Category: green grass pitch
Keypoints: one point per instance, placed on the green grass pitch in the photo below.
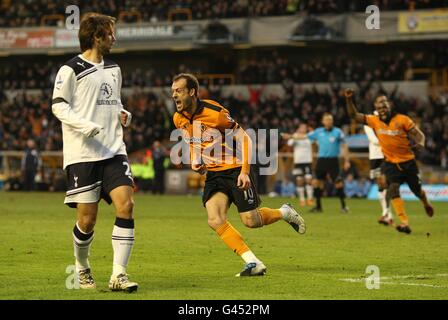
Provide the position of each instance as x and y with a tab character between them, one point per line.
177	256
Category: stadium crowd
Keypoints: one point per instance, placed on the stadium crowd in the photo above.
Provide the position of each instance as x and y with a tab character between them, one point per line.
398	66
30	13
29	116
270	67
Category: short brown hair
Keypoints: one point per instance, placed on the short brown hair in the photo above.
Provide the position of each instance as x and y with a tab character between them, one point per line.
192	81
379	96
94	25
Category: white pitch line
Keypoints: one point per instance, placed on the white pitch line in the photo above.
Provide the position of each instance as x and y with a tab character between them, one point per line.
421	276
414	284
439	275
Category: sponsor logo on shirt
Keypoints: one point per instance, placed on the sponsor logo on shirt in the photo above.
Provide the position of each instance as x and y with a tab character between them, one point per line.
105	94
389	132
198	140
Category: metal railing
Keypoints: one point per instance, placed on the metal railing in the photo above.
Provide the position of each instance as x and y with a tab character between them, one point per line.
10	165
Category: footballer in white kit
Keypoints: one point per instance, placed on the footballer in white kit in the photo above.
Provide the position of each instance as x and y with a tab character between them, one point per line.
303	160
86	99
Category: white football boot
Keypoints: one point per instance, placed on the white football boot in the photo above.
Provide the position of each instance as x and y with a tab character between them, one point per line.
294	218
252	269
85	279
122	283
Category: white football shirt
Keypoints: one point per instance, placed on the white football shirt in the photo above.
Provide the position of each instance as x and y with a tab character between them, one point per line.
374	146
87	93
303	152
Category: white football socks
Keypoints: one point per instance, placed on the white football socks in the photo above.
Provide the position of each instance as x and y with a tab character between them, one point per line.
81	243
122	243
249	257
309	192
383	202
301	192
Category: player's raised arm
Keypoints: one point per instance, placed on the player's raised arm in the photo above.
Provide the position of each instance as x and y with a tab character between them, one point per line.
351	107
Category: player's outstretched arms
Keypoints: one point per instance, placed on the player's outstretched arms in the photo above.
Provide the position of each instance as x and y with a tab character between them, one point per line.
351	107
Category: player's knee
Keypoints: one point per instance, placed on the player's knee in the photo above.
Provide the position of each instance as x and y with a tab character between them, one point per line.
416	189
126	208
251	220
86	223
300	181
215	222
382	184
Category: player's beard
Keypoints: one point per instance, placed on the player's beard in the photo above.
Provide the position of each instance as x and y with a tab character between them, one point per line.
104	49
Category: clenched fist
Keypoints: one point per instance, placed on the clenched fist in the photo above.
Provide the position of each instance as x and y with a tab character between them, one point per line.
348	93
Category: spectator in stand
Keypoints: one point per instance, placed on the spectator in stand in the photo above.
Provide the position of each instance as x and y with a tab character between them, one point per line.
30	13
287	188
351	187
159	154
30	165
364	186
